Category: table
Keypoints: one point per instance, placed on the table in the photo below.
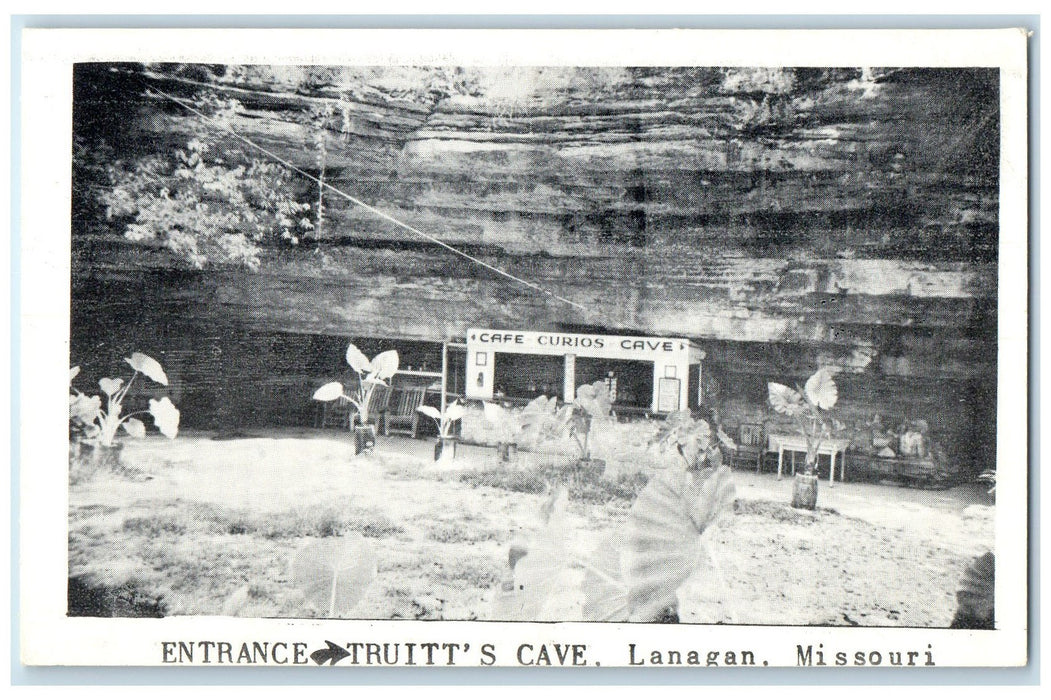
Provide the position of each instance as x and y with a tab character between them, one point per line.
782	442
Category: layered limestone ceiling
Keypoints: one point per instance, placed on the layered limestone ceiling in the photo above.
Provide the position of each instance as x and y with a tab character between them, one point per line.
832	206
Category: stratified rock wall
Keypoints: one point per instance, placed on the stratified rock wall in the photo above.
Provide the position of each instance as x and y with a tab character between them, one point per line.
848	216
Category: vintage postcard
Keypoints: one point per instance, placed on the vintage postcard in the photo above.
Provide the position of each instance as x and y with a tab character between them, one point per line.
515	348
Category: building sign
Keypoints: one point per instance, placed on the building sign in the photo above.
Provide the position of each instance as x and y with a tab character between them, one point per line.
669	358
584	345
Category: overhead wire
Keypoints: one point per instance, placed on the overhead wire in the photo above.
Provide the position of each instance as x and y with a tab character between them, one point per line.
364	205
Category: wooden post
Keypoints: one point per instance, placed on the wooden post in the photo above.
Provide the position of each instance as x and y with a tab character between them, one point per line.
684	391
445	372
700	384
657	373
569	377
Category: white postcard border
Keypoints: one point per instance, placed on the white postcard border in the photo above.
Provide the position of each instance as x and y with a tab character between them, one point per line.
48	637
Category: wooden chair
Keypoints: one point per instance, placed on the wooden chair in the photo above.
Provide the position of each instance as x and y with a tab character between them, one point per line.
378	403
341	413
751	446
401	411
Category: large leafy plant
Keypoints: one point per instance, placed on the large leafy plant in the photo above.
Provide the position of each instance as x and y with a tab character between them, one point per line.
809	405
537	564
635	574
693	439
576	419
209	201
539	420
506	422
100	424
444	420
371	373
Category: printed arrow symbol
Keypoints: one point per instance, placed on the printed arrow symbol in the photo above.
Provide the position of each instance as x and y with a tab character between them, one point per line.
333	654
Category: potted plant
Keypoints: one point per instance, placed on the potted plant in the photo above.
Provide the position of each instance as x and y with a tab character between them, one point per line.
370	375
94	427
445	447
577	419
507	424
539	421
809	407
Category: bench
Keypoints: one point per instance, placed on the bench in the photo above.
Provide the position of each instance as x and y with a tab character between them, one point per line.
915	472
401	411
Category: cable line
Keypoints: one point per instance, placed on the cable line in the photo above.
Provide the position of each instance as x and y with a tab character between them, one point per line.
373	210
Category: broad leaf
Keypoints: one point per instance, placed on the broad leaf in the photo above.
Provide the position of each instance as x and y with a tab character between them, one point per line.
605	593
166	416
541	404
111	386
454	411
703	431
975	598
135	427
713	495
533	421
538	575
357	360
586	391
821	389
690	437
663	538
334	573
594	399
494	413
506	422
84	409
145	364
385	364
430	411
784	399
329	392
373	378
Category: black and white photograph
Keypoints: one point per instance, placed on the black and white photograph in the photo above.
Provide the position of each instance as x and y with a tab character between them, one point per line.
665	349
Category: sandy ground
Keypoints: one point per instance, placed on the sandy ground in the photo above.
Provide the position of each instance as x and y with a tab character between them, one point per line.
204	526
